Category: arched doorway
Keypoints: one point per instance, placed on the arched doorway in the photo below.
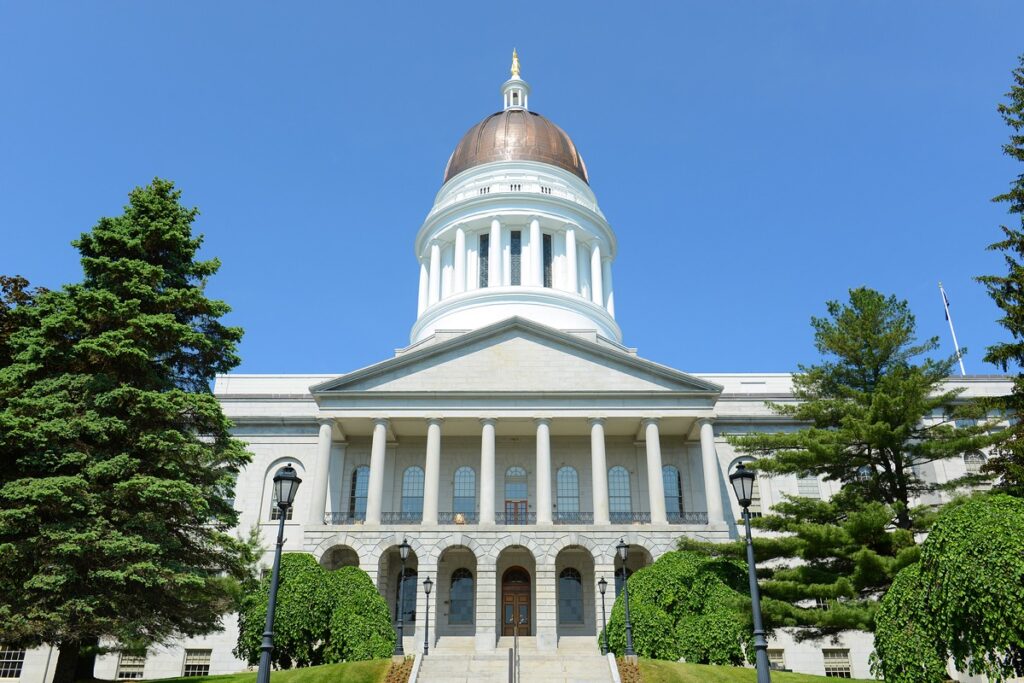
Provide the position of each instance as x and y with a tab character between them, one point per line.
515	602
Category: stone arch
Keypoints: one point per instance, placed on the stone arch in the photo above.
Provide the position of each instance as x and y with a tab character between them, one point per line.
454	541
268	484
339	556
574	539
457	591
576	599
516	539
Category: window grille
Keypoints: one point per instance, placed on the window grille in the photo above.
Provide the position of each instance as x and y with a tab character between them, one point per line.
837	663
484	258
408	590
460	597
547	260
275	511
777	658
517	256
130	666
11	662
821	603
358	493
808	487
673	490
568	485
974	461
570	597
464	500
619	499
412	491
197	662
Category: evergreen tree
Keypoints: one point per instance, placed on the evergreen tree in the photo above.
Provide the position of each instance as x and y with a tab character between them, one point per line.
16	298
1008	293
118	466
873	413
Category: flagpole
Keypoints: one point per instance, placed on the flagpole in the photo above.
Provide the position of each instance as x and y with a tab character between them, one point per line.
949	319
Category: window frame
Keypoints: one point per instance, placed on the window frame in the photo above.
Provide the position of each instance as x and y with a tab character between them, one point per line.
462	574
573	602
354	496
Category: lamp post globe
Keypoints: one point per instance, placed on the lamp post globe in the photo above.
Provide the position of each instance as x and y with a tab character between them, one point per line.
286	485
602	586
623	550
742	481
428	586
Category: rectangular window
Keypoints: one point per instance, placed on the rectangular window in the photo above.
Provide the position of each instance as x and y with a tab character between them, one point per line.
517	257
808	487
777	659
547	260
11	662
484	258
130	666
837	663
197	662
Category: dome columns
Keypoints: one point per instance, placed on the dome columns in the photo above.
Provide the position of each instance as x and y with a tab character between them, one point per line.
460	259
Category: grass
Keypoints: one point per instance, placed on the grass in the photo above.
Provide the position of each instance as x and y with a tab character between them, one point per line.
349	672
655	671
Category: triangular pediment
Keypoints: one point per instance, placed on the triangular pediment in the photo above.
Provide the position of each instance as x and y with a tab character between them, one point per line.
517	355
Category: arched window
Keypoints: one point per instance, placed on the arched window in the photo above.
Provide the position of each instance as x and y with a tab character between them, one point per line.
620	504
357	494
408	593
460	597
568	485
464	500
973	461
516	496
412	492
275	511
570	597
673	490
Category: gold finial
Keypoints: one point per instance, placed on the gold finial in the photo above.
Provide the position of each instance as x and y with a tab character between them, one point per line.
515	64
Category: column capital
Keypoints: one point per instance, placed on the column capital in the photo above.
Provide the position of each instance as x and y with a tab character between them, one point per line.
325	421
534	217
596	421
434	420
542	420
381	421
488	421
705	421
650	421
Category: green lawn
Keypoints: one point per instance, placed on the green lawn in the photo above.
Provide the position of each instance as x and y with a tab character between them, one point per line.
350	672
655	671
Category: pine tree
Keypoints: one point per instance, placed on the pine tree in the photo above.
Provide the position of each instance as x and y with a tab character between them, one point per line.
118	465
873	414
1008	293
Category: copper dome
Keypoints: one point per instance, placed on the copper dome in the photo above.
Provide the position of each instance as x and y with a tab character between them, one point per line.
516	134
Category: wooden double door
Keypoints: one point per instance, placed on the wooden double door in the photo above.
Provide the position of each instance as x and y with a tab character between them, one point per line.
515	602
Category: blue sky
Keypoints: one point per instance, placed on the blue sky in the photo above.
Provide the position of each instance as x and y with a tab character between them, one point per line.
754	158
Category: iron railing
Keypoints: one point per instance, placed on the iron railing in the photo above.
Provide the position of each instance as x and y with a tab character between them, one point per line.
630	517
341	518
457	518
515	518
401	517
687	517
574	518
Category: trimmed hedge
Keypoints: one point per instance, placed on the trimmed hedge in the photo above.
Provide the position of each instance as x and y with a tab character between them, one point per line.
322	617
686	605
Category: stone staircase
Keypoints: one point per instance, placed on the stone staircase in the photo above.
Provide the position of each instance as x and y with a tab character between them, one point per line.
454	660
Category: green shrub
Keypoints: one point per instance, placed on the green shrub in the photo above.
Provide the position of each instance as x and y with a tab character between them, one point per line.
686	605
361	625
906	651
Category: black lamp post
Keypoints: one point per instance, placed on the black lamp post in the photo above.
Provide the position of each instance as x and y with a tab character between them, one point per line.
428	585
602	586
403	551
623	554
286	483
742	481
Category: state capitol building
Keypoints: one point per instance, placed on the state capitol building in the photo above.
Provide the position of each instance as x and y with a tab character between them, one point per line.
516	438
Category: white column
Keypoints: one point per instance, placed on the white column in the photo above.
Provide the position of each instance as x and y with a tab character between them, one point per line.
424	288
709	462
599	471
543	470
318	504
596	286
487	471
432	472
435	273
572	272
655	484
378	451
494	255
609	293
460	260
536	254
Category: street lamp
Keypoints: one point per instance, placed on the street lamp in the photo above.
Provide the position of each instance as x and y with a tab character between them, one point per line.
623	554
286	483
403	551
428	585
742	481
602	586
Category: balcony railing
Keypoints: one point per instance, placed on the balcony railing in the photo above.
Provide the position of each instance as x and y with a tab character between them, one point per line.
341	518
574	518
630	517
687	518
401	517
457	518
515	518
